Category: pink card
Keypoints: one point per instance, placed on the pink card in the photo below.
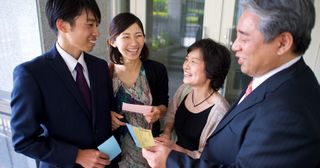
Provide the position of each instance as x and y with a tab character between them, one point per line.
136	108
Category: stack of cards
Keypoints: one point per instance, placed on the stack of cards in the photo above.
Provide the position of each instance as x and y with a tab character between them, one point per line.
142	137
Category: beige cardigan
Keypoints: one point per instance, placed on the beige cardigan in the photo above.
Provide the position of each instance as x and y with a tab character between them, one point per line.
217	112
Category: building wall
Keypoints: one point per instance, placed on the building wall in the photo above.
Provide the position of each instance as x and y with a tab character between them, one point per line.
312	56
48	38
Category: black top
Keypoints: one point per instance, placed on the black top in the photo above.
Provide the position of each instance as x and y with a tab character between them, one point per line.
157	77
188	126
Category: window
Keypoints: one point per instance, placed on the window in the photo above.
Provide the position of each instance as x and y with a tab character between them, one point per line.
19	42
172	26
20	38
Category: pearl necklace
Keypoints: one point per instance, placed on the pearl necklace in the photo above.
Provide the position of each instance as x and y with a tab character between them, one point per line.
195	105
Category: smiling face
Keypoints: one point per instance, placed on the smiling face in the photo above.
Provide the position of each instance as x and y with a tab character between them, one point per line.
255	56
81	36
130	42
194	72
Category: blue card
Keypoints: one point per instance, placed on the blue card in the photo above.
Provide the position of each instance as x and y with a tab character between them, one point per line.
110	147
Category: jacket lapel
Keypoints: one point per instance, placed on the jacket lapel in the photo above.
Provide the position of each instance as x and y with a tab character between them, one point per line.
57	64
258	94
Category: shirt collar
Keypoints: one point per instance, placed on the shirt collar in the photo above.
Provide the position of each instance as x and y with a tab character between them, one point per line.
71	61
258	80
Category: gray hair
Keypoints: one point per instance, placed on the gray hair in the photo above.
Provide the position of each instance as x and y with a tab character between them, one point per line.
277	16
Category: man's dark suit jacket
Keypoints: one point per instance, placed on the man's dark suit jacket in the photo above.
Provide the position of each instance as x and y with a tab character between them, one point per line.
50	121
277	125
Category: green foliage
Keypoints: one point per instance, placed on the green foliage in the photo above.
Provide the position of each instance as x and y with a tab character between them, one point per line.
195	11
160	6
160	14
192	19
161	41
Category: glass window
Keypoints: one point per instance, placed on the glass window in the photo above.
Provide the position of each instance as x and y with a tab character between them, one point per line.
236	80
173	25
19	42
20	38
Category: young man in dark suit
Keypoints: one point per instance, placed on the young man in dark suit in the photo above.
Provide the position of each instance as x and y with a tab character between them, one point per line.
61	100
277	122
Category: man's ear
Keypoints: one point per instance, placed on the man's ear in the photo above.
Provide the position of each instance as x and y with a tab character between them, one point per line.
62	26
285	42
111	42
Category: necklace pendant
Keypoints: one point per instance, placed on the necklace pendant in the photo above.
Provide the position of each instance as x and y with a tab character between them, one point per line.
192	99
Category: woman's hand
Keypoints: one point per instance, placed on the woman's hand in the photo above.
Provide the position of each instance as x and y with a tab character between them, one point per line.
165	135
153	115
165	141
116	123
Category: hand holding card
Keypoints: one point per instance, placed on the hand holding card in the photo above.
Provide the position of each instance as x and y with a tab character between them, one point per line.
142	137
110	147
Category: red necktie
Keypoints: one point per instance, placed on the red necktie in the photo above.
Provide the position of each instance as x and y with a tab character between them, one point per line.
249	89
83	86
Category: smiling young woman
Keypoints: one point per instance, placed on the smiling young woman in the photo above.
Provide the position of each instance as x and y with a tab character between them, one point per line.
136	80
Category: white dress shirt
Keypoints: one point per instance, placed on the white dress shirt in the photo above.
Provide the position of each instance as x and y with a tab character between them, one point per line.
256	81
72	62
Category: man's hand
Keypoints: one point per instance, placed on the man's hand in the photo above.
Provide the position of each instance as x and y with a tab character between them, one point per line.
156	155
92	158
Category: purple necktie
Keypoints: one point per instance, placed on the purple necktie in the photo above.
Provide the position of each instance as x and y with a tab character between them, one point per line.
83	86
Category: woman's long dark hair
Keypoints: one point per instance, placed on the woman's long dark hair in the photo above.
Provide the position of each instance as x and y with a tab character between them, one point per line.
119	24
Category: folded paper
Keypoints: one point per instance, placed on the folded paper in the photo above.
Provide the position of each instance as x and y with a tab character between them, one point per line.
136	108
142	137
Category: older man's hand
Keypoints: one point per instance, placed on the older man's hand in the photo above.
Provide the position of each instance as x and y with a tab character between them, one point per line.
156	155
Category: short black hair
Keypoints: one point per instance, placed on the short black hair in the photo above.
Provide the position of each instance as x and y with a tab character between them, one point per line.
217	59
119	24
67	10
